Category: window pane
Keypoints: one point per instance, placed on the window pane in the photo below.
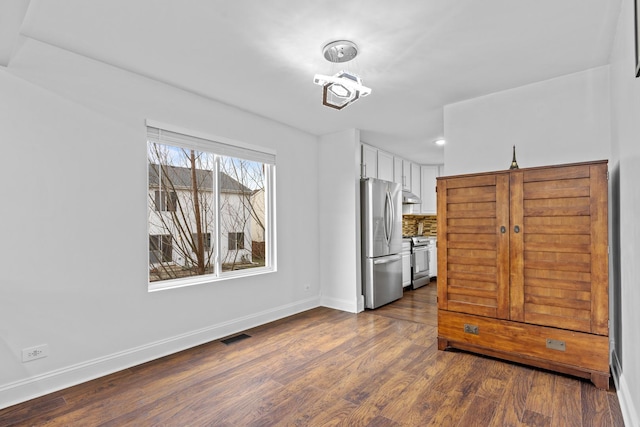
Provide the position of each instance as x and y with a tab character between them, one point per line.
231	242
209	211
181	195
206	238
239	240
171	201
242	213
157	202
165	201
155	255
167	248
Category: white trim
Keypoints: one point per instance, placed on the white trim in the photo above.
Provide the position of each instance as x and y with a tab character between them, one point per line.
270	209
629	411
176	139
39	385
162	285
615	363
208	136
339	304
220	146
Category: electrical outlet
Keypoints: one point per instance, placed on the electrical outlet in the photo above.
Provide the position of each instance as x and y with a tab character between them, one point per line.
33	353
307	287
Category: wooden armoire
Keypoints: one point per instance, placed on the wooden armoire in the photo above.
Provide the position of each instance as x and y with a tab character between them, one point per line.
523	267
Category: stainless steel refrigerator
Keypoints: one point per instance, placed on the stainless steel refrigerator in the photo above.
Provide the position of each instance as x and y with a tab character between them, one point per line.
381	209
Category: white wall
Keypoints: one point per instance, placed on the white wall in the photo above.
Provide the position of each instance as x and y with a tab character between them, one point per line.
74	185
625	245
563	120
339	210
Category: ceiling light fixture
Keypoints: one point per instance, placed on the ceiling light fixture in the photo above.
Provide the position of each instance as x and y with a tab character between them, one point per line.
343	88
440	141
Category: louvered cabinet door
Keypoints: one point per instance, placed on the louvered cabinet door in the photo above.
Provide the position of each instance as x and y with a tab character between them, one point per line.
558	246
473	246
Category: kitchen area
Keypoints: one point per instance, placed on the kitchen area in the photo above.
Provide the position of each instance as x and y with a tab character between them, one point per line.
405	225
419	250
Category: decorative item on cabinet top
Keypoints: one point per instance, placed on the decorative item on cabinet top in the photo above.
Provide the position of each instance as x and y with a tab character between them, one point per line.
514	163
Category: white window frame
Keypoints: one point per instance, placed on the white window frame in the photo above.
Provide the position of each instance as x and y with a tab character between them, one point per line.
179	137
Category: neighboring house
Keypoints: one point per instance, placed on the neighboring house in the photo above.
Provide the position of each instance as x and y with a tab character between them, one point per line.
257	219
173	229
257	224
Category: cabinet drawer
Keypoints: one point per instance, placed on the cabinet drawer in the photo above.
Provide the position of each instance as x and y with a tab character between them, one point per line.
503	338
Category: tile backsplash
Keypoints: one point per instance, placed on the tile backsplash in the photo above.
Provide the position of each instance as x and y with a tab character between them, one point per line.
410	225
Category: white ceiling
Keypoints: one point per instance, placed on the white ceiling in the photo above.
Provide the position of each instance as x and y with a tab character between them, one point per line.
416	55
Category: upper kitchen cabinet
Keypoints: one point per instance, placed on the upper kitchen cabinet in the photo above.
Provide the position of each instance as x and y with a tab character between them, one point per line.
397	171
406	175
385	166
369	165
410	181
376	163
428	195
402	172
418	179
415	186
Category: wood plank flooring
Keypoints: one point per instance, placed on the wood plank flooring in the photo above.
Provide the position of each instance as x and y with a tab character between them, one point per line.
326	367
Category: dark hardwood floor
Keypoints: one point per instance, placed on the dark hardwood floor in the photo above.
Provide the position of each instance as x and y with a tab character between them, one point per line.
326	367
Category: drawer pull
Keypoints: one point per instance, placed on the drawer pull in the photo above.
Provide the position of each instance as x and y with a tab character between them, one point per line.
470	329
556	345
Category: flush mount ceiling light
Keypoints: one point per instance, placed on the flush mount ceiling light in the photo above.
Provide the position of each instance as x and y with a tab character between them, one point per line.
440	141
344	87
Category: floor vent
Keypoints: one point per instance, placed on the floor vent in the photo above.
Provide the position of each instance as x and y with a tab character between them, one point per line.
235	338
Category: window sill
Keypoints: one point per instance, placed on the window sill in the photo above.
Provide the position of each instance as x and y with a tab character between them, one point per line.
201	280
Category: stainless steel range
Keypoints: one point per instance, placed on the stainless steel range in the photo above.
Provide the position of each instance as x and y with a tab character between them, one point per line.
423	262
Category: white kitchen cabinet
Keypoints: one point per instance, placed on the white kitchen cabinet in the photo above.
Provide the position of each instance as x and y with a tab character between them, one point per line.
369	165
385	166
406	263
397	170
406	270
406	175
402	172
415	186
428	175
418	179
433	260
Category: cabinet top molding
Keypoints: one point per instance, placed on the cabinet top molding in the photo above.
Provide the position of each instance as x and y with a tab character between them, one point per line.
511	171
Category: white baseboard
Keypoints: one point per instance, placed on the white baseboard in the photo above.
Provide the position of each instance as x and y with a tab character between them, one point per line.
339	304
629	411
39	385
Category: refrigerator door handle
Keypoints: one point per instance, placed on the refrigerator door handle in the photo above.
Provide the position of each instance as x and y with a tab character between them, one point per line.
393	216
389	217
387	209
387	260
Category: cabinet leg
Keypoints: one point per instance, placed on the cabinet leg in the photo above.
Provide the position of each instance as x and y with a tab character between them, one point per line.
443	343
601	381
